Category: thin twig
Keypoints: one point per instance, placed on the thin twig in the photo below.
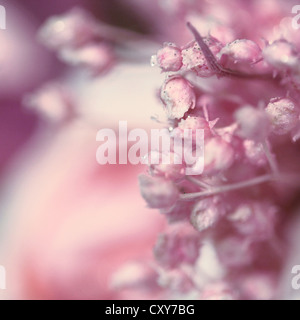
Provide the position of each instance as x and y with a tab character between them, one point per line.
197	182
216	67
227	188
272	161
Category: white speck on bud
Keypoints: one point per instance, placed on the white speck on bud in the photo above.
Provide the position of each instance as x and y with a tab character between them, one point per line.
153	61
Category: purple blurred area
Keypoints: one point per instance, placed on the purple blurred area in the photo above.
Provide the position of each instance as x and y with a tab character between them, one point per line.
17	124
23	21
74	229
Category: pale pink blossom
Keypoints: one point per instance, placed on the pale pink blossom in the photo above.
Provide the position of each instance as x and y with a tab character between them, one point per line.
180	245
219	291
178	97
53	102
240	55
97	58
83	231
253	123
193	58
219	155
73	29
158	192
168	58
169	165
284	115
282	55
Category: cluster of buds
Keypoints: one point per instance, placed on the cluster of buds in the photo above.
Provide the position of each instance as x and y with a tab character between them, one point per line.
235	205
77	39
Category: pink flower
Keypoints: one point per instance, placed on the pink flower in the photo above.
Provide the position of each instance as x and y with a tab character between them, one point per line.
219	291
179	246
172	168
83	232
73	29
241	199
240	55
219	155
97	58
195	123
207	213
168	58
284	115
53	102
282	55
253	123
193	58
178	97
158	192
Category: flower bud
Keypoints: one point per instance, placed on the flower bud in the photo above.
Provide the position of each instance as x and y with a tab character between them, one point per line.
259	285
218	156
194	59
94	57
255	219
177	246
158	192
69	30
255	153
240	54
168	58
235	251
195	123
281	55
253	123
175	280
168	165
218	291
53	102
207	213
178	96
284	115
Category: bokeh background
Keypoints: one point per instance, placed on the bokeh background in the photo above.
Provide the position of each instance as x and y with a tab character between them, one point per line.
68	224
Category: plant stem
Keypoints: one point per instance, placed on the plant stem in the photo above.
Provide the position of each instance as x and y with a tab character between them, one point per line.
216	67
270	158
227	188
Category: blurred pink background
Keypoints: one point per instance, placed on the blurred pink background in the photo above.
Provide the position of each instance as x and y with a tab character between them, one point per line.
68	225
